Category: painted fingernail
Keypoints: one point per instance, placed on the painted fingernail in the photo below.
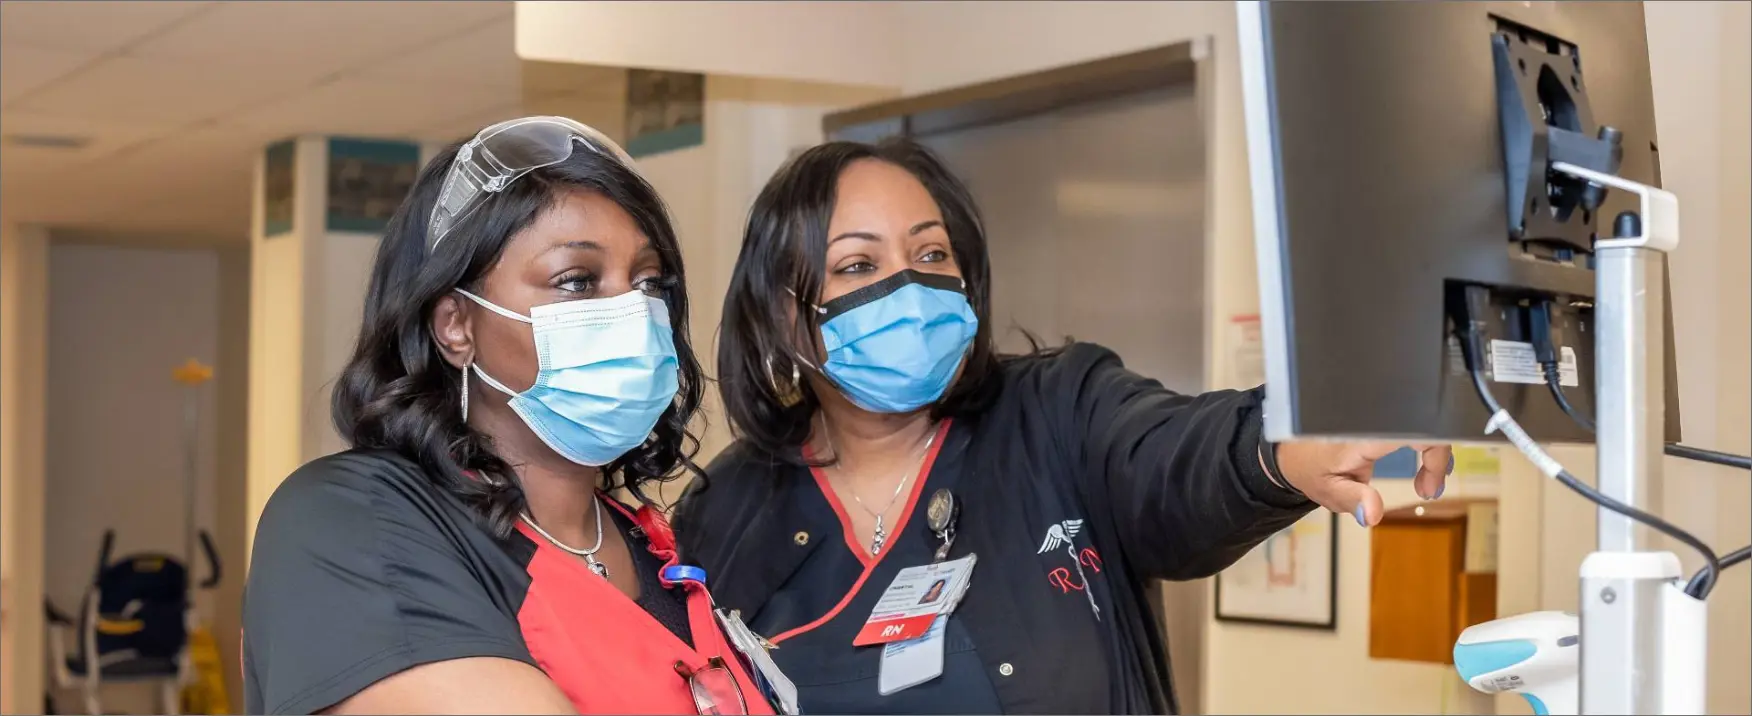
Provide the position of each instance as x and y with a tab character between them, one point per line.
1450	470
1362	516
1439	490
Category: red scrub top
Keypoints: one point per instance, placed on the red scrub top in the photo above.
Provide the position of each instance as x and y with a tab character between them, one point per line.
362	569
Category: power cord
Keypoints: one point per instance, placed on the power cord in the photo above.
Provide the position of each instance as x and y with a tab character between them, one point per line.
1735	557
1470	331
1545	351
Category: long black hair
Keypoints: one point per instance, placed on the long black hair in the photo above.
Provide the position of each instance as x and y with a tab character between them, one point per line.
767	324
398	392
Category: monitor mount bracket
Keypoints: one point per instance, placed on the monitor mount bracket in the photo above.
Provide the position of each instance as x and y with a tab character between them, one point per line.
1546	119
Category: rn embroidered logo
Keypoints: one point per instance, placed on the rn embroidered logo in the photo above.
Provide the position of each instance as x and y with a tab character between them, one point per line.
1063	535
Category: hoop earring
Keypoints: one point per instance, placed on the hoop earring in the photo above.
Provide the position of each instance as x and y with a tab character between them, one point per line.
788	395
465	390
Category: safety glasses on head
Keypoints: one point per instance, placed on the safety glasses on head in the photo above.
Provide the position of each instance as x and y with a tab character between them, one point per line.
504	152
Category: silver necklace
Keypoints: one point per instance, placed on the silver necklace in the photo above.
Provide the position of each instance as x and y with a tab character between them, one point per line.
879	536
589	555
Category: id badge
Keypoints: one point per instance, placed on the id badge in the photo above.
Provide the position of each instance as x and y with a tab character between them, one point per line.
906	664
744	640
915	599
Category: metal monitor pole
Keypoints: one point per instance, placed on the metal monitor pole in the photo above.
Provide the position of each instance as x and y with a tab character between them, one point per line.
1642	640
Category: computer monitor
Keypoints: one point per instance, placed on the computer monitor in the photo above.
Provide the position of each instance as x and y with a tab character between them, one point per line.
1398	151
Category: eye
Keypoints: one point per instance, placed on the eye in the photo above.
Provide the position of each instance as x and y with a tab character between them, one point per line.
578	282
934	256
655	285
857	267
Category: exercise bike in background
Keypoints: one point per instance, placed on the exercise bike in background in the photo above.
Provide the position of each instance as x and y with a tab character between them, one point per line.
134	626
137	622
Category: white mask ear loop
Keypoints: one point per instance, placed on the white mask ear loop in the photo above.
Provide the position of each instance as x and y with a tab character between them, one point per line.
819	310
489	305
508	313
489	380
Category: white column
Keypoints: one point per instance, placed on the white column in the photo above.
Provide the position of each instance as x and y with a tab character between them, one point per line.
24	308
310	266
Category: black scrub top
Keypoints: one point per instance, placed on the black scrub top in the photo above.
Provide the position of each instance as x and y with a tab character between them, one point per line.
814	631
1080	483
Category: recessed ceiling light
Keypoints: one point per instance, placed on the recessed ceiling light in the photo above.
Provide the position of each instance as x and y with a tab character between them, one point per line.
46	141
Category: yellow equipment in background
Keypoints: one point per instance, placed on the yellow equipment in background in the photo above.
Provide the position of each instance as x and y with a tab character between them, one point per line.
204	692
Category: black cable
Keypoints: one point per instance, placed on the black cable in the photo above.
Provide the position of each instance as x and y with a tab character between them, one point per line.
1552	381
1544	349
1732	558
1735	557
1471	336
1674	449
1710	456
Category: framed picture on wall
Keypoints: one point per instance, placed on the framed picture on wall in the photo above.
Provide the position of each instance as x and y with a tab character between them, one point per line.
1290	579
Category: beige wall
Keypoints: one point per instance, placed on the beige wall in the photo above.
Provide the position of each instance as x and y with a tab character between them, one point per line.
1703	84
23	339
845	42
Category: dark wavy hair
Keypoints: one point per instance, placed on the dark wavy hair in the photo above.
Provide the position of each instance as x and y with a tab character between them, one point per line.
779	274
398	393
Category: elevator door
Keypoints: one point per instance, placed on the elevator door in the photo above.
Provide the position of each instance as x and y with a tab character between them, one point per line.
1095	219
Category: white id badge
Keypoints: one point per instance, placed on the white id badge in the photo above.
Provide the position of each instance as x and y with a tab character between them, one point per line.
752	646
915	598
906	664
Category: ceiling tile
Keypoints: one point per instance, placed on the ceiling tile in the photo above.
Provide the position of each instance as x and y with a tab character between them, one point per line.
168	92
96	25
193	159
24	68
102	138
329	35
173	141
368	108
486	56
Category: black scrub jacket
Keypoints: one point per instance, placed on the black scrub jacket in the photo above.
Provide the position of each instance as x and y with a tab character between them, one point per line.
1136	482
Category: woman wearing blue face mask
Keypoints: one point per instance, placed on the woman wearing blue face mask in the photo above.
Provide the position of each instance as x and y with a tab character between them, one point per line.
884	448
523	354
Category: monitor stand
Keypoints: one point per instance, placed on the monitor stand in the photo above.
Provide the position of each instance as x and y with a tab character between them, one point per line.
1642	637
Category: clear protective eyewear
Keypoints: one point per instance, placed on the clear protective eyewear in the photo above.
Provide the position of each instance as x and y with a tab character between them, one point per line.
502	153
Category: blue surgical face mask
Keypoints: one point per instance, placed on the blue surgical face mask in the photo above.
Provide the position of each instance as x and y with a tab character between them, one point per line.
606	371
895	346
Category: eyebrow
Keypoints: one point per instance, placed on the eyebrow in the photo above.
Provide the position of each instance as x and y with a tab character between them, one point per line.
575	244
586	245
917	229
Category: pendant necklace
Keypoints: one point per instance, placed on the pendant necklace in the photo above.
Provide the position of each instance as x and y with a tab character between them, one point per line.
879	536
589	555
